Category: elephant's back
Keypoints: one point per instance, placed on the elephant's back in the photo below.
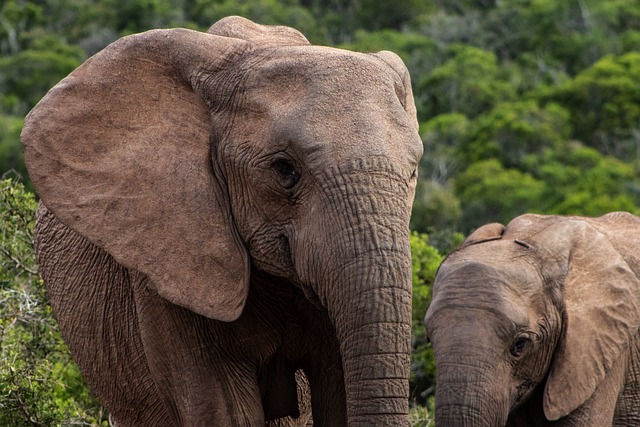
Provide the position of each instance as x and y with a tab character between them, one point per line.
92	298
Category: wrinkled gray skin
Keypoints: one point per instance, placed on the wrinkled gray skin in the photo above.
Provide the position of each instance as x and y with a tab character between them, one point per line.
223	209
536	324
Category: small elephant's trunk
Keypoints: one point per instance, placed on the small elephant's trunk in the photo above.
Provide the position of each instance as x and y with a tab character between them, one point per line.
467	396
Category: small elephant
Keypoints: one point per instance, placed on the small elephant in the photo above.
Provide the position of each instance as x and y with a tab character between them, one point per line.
223	209
536	324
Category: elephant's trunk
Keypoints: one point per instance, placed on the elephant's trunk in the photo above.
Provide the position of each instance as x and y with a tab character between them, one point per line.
374	330
366	288
467	396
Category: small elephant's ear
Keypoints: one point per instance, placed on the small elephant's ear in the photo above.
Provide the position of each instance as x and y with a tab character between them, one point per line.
404	91
602	312
258	35
485	233
120	152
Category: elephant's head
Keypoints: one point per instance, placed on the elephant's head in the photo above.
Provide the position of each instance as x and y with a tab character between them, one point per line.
537	312
196	158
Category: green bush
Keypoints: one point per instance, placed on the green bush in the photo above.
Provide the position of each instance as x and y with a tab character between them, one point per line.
425	260
39	383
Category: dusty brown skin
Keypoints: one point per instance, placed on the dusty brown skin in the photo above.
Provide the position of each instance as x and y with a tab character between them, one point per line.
536	324
223	209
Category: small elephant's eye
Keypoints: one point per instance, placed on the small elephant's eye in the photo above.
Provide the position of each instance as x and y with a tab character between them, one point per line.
520	345
287	172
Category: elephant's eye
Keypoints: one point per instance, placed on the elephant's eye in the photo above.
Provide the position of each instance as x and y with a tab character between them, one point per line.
287	172
520	345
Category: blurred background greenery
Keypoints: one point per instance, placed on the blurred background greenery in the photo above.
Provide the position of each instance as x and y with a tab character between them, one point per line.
524	106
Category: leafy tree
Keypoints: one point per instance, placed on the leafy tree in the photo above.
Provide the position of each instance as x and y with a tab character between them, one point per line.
469	83
442	138
134	16
489	192
512	131
16	18
340	19
376	15
27	75
435	207
604	101
581	181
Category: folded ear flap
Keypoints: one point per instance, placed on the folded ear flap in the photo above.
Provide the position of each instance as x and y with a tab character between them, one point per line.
258	35
485	233
602	312
120	152
404	92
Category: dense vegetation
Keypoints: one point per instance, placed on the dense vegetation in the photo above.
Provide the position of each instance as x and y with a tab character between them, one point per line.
524	106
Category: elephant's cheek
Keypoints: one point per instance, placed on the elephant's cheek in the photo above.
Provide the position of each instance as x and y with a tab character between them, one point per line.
270	252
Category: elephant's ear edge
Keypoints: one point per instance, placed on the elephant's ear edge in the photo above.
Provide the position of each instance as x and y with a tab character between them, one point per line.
485	233
119	151
602	311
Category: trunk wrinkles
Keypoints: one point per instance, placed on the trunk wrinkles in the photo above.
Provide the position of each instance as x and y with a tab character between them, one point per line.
369	297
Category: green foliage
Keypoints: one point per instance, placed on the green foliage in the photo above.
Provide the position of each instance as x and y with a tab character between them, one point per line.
436	207
421	416
39	384
130	16
27	75
492	193
581	181
514	131
425	262
11	157
604	101
469	82
268	12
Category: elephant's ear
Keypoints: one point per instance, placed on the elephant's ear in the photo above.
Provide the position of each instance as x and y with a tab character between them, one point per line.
486	233
602	312
404	91
258	35
120	152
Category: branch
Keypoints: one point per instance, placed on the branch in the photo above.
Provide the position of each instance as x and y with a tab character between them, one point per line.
18	262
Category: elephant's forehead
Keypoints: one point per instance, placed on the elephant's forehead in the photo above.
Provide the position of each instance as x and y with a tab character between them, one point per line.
501	285
323	73
330	98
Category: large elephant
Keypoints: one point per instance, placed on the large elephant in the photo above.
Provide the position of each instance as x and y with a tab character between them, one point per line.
222	209
536	324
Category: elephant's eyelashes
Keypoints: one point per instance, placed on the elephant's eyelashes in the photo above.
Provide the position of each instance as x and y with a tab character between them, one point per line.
519	345
288	174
